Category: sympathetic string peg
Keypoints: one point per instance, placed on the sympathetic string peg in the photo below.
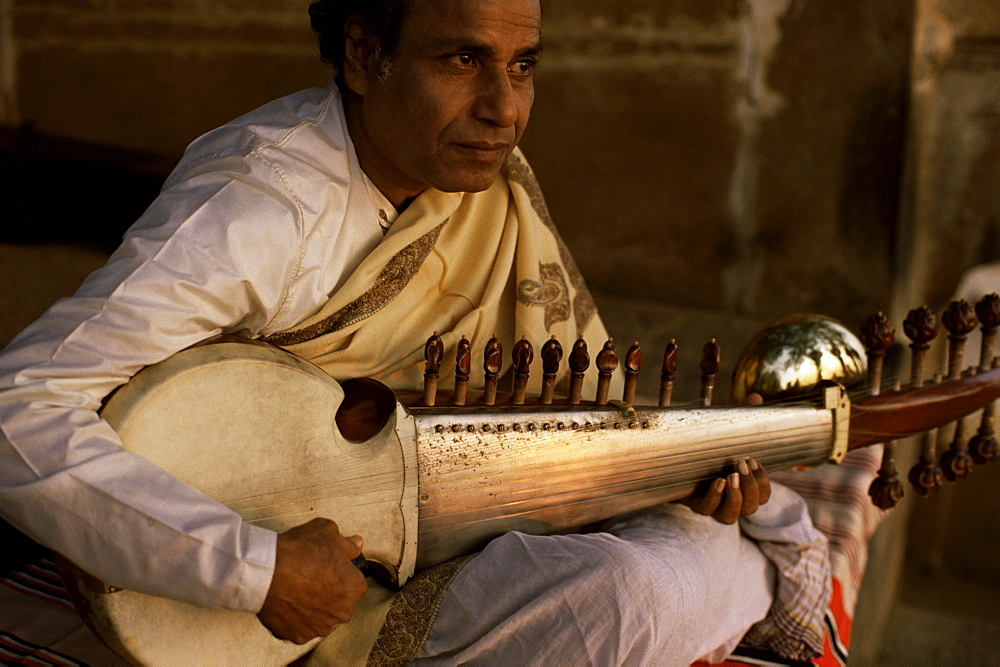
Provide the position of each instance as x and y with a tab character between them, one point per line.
492	363
607	363
522	355
710	363
667	373
633	364
433	352
552	354
579	362
878	335
463	367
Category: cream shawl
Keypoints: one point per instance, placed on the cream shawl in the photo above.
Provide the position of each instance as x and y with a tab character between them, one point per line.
478	265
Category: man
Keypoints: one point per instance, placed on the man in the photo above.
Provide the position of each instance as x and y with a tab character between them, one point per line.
335	223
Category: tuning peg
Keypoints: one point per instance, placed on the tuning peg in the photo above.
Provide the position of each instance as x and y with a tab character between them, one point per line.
552	354
926	475
959	319
463	367
710	363
988	311
579	361
878	335
920	326
983	446
886	490
492	363
607	363
433	352
633	364
667	373
522	355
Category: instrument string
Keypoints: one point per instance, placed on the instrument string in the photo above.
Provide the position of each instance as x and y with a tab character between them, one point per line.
536	474
536	478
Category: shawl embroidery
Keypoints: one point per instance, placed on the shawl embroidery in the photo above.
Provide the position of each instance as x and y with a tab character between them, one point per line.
394	277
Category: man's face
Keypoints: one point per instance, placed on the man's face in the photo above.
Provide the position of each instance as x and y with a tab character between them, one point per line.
456	100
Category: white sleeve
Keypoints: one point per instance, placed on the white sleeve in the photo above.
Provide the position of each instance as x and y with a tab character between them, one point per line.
215	254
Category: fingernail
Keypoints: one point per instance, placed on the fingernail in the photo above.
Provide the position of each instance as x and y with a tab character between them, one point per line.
743	468
753	464
719	485
734	480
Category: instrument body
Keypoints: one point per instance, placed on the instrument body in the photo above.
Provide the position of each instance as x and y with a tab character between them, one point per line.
255	428
278	441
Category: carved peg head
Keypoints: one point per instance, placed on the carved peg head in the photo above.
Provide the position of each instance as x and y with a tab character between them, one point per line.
920	326
959	319
878	334
552	354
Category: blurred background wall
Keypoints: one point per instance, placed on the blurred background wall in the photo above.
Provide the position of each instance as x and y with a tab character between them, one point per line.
711	164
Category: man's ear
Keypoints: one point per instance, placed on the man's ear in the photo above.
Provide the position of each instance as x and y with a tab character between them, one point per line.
359	55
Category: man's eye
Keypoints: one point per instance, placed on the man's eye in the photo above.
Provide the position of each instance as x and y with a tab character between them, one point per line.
463	59
525	66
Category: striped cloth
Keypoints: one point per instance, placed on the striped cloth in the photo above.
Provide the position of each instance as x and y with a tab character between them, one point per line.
837	497
38	624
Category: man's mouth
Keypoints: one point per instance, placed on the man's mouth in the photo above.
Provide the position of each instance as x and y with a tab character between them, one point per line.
485	151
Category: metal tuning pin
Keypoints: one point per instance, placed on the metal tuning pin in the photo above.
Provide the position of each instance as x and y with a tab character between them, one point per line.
522	356
668	373
710	362
607	363
463	367
433	352
552	354
959	319
633	364
878	335
579	362
921	326
983	446
492	363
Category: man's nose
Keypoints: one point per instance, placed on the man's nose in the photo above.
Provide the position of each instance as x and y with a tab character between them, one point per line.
497	101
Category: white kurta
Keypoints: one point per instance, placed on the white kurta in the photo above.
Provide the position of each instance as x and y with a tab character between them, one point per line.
262	221
263	218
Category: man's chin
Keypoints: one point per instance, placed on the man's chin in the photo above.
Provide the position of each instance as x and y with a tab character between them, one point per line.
471	182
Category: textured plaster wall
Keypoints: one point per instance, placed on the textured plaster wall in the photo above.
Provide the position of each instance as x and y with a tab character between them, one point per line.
740	155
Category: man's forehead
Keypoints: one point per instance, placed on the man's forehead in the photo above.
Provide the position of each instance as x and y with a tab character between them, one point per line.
473	22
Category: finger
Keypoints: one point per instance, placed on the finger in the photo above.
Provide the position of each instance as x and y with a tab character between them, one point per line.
763	481
358	541
710	502
752	399
729	510
750	489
